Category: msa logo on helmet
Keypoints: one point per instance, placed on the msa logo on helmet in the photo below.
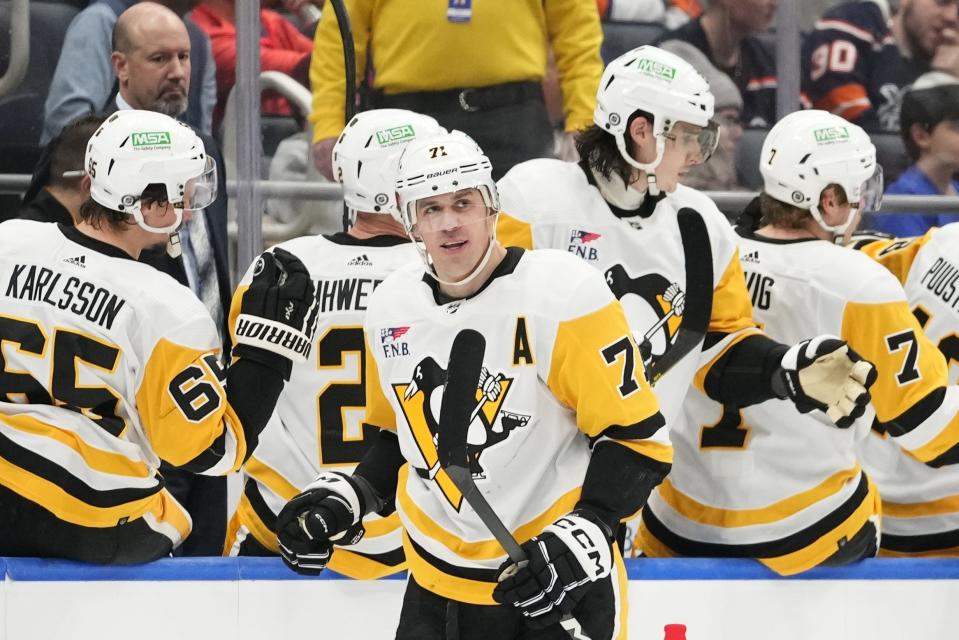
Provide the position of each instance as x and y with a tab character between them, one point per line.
656	69
395	135
151	139
829	135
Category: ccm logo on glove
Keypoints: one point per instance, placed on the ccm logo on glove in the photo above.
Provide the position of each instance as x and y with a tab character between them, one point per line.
585	542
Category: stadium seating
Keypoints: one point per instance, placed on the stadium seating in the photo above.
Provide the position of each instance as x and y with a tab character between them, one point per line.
21	111
620	37
891	153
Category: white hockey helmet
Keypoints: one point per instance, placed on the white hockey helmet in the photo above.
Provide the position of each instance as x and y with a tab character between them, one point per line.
366	154
665	86
133	149
807	151
446	163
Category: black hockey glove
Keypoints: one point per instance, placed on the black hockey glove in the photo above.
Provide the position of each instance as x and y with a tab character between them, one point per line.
824	373
564	561
330	510
278	313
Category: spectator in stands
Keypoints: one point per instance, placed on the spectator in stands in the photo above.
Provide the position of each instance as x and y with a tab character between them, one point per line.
476	68
726	34
631	10
929	120
719	172
84	81
59	184
857	61
144	35
672	13
282	48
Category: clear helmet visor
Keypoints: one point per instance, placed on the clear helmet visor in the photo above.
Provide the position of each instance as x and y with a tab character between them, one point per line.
707	140
699	143
200	192
870	193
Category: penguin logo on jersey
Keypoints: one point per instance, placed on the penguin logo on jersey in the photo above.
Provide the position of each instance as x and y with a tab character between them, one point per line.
490	424
650	301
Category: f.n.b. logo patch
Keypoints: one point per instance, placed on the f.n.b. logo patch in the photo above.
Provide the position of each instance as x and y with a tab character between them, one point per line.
391	342
579	241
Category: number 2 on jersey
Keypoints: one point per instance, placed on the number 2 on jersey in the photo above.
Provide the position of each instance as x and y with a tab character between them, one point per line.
337	347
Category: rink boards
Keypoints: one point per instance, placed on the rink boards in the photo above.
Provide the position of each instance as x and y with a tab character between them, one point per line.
258	598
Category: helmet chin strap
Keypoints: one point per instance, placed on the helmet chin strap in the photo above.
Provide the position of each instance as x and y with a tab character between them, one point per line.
837	230
649	168
173	248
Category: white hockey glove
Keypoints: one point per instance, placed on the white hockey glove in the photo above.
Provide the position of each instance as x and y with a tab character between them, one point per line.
677	299
278	313
490	385
564	560
824	373
330	510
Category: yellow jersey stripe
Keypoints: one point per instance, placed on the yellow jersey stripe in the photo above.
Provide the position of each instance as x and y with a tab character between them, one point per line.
68	508
267	475
622	600
445	585
483	549
944	440
728	518
97	459
825	546
942	506
359	567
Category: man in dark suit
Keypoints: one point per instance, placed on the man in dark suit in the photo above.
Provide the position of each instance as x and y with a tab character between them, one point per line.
151	59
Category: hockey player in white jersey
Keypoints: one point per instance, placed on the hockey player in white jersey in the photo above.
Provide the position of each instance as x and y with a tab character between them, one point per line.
108	366
318	422
618	209
766	481
919	512
565	436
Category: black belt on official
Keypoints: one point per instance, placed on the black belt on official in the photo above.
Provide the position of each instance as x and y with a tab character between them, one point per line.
469	99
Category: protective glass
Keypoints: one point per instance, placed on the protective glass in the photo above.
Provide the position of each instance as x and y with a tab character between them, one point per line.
870	193
200	192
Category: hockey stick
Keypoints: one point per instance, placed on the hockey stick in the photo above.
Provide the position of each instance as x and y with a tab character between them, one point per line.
349	65
473	414
459	400
699	293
